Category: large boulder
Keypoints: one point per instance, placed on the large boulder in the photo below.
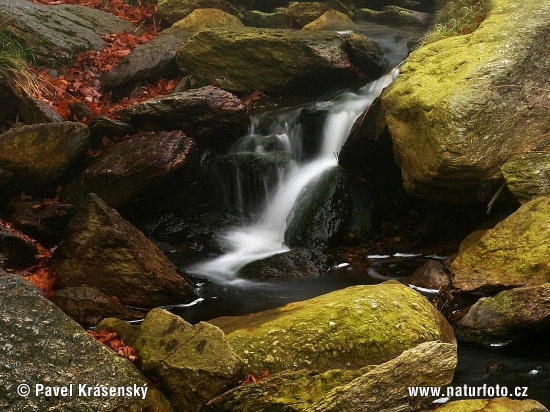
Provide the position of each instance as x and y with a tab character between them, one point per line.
428	364
453	112
42	345
514	253
103	250
493	405
284	61
321	212
346	329
37	155
394	16
508	315
171	11
276	20
211	116
301	13
126	169
57	34
192	363
528	176
201	19
331	20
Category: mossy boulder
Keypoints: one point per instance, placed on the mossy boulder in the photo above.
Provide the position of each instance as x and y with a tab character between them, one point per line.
301	13
493	405
507	316
331	20
347	329
102	250
38	155
464	105
192	363
365	389
171	11
275	61
276	20
321	212
394	16
58	33
528	176
42	345
514	253
200	19
128	168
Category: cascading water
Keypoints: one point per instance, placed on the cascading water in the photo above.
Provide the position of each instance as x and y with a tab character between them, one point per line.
264	236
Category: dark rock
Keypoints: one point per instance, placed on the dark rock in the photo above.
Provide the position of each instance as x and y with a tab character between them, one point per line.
192	363
295	263
209	115
18	252
126	169
285	61
431	275
88	305
42	345
366	54
39	154
34	111
43	221
80	110
312	119
395	16
171	11
3	261
10	99
302	13
509	315
103	126
57	34
147	62
103	250
276	20
320	213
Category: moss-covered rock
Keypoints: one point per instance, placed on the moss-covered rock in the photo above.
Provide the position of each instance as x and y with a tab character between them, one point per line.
171	11
346	329
276	20
126	169
394	16
42	345
528	176
38	155
321	212
193	363
103	250
463	106
493	405
514	253
331	20
276	61
508	315
303	12
200	19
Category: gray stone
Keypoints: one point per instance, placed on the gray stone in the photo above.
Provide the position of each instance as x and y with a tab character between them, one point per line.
34	111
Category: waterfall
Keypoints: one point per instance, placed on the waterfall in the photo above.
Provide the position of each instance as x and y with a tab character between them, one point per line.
264	236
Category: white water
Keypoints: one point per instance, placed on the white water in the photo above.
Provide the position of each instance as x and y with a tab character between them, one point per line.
265	235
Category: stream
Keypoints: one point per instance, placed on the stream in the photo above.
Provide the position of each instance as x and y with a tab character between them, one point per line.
224	293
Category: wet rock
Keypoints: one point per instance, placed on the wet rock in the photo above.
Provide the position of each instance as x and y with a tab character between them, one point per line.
293	264
18	252
147	62
103	126
276	20
385	386
331	20
102	250
345	329
321	212
43	221
126	169
514	253
507	316
34	111
58	33
312	119
452	121
431	275
201	19
42	345
211	116
285	61
366	54
192	363
88	305
493	405
395	16
37	155
528	176
11	100
171	11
